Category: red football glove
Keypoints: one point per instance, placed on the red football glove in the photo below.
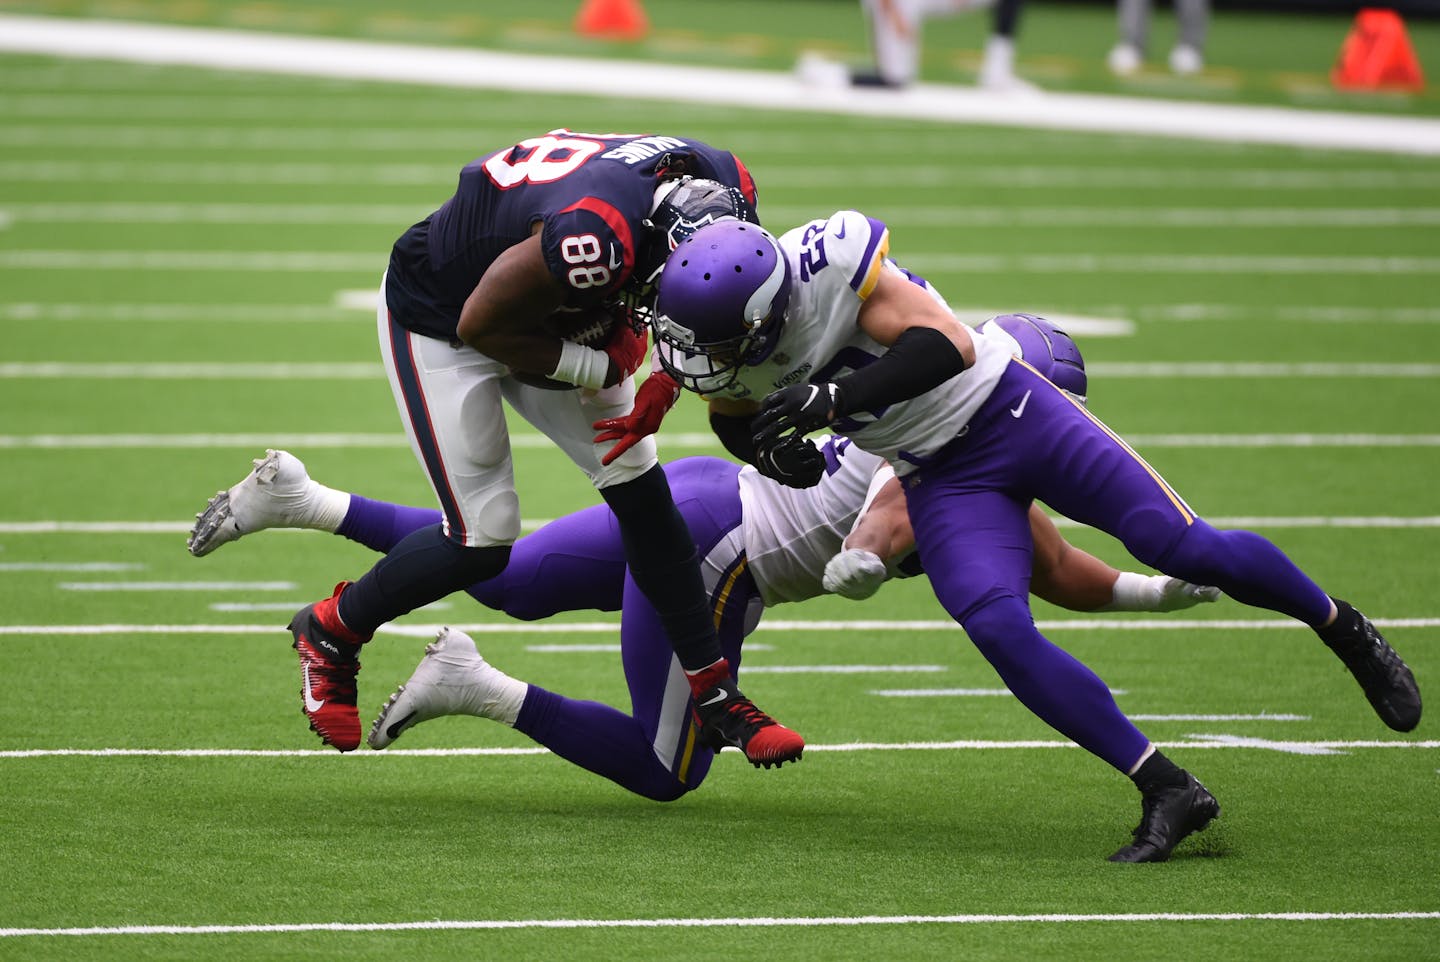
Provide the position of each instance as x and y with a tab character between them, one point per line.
626	348
656	396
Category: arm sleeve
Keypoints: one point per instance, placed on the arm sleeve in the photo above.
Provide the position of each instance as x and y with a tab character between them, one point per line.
734	432
920	360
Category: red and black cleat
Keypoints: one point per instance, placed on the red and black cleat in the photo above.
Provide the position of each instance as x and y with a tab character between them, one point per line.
329	662
727	717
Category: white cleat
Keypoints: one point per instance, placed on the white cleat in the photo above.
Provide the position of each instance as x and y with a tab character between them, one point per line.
452	679
1186	61
1124	60
278	493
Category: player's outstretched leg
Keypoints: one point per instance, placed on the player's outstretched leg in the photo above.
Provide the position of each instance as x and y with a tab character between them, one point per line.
727	717
277	493
1173	805
329	661
452	679
1382	674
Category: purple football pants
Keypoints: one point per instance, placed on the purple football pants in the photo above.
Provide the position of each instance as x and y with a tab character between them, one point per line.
968	505
577	563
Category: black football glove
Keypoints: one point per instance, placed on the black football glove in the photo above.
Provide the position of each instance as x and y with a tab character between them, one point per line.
792	460
800	408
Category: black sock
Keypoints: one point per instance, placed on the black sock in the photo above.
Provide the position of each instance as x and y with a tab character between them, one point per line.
1345	625
424	566
1156	773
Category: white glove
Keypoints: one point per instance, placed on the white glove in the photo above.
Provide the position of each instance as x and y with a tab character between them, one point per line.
854	573
1137	592
1176	594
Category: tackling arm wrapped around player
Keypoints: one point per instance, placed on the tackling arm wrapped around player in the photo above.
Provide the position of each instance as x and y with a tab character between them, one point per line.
927	347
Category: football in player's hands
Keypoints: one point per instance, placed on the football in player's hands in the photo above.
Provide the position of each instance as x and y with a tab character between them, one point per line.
791	460
587	326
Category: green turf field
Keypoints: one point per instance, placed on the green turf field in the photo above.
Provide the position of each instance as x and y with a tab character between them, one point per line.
180	253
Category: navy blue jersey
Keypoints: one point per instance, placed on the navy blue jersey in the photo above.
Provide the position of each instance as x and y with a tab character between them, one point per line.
590	191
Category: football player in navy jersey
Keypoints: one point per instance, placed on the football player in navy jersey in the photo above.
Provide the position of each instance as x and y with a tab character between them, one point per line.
473	305
820	329
761	544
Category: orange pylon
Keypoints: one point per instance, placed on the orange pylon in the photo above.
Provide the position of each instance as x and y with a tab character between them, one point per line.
612	19
1377	55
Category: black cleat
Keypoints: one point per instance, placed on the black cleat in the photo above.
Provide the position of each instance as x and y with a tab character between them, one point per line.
727	717
1381	672
1169	814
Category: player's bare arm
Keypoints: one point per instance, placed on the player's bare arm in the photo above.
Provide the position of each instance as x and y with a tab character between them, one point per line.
1064	575
927	347
503	317
500	318
897	305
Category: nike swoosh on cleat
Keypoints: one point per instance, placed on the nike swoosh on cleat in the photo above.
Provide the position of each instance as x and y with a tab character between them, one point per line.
716	700
311	705
394	730
1015	412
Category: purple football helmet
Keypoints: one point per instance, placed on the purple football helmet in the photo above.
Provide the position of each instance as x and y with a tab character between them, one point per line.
721	304
1047	349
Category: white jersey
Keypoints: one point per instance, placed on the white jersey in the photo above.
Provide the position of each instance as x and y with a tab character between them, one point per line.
790	533
834	266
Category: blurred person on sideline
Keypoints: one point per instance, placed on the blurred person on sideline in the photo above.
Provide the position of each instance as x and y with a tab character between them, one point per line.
895	32
1186	57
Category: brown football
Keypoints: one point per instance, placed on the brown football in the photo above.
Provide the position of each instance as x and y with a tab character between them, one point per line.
586	326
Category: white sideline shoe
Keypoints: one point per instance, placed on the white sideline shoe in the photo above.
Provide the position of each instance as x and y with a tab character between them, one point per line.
1186	60
1124	60
452	679
277	493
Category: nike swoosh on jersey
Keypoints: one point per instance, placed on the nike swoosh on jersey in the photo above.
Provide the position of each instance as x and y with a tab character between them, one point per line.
1015	412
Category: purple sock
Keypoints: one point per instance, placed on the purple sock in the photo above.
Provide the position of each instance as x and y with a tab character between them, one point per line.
600	739
379	525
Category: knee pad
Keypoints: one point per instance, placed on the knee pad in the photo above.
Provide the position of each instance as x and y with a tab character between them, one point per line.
495	518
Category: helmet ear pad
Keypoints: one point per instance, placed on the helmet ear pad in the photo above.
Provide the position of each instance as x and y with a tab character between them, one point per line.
722	302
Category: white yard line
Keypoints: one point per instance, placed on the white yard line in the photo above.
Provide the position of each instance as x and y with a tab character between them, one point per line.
531	524
460	68
81	566
154	586
680	439
344	262
347	301
914	217
366	370
776	626
1215	742
801	177
1228	264
768	922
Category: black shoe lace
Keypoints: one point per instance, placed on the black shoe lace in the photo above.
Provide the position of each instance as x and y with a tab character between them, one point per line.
743	711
